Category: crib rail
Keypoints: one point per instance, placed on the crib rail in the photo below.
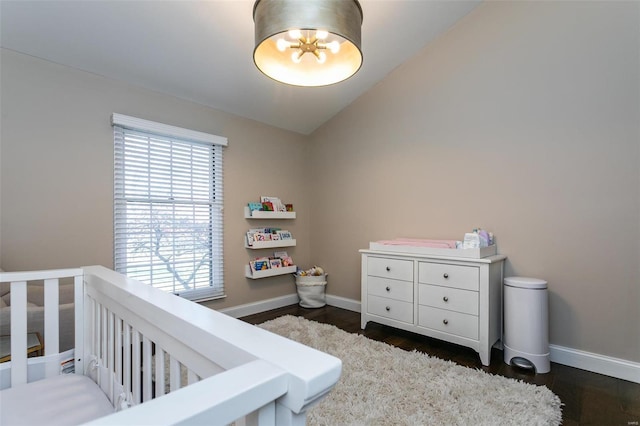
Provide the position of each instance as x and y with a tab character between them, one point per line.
220	399
224	367
173	361
152	342
19	282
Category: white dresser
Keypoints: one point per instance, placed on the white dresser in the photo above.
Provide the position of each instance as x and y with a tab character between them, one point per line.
449	298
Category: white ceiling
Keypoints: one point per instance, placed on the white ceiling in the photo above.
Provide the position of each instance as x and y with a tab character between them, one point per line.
202	50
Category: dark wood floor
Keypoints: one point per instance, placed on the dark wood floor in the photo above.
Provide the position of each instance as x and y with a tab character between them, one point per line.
588	398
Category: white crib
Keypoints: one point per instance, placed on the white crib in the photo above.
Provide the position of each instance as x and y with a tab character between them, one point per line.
171	361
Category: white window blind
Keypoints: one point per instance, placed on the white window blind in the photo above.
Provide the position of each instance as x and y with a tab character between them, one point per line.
168	207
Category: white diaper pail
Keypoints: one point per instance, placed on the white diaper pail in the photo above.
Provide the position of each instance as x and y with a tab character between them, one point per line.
526	323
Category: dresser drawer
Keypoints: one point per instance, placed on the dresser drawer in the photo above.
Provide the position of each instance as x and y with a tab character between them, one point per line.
451	299
456	276
449	322
389	308
392	289
390	268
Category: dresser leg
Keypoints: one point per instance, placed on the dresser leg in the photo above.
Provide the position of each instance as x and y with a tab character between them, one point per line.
485	356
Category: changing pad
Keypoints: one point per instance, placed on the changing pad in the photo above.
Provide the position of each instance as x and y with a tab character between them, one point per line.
421	246
419	242
68	399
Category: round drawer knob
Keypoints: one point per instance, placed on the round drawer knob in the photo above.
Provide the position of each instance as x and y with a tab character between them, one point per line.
388	269
446	299
445	322
388	308
388	288
446	275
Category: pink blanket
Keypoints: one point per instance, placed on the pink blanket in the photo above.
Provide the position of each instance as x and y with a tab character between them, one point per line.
417	242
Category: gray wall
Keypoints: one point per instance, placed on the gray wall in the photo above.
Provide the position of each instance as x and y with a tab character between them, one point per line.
522	119
56	177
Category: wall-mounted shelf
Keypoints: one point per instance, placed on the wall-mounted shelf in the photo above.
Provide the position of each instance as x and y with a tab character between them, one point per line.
269	244
269	272
260	214
259	245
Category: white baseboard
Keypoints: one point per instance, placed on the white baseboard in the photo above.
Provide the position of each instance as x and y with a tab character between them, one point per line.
596	363
261	306
601	364
344	303
290	299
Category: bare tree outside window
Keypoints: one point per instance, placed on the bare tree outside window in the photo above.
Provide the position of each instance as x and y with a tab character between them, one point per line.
177	243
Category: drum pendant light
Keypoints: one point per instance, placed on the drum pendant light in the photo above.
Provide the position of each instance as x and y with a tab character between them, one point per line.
308	42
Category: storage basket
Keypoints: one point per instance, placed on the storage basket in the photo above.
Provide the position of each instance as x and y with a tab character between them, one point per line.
311	290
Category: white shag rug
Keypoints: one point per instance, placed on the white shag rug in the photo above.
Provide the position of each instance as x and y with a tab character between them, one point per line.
384	385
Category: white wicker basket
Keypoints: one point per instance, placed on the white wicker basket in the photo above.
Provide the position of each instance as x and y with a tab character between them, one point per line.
311	290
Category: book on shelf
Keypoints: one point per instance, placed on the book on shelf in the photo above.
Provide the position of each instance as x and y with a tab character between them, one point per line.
271	204
267	234
259	264
261	236
255	206
275	262
284	257
286	261
279	259
284	234
276	203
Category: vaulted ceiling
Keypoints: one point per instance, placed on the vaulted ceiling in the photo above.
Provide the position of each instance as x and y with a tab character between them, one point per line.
202	50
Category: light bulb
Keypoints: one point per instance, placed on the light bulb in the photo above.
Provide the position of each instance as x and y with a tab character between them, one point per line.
322	57
282	44
296	57
295	34
334	46
321	34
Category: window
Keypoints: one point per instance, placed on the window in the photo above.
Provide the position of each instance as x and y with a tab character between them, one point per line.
168	207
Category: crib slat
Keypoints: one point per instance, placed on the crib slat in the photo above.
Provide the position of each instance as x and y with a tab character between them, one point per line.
192	377
267	415
118	349
81	312
96	329
102	354
51	316
146	369
18	333
159	376
135	367
51	323
174	374
95	336
126	366
110	342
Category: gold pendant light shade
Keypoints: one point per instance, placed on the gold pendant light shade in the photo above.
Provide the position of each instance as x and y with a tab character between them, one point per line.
308	42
